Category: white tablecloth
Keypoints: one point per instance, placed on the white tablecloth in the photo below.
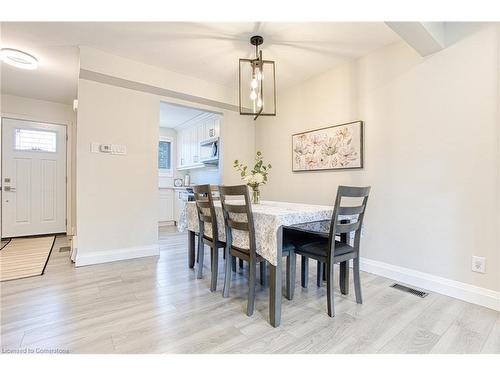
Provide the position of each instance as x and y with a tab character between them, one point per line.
268	217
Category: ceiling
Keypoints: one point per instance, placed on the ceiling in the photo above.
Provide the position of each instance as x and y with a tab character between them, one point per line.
173	115
209	51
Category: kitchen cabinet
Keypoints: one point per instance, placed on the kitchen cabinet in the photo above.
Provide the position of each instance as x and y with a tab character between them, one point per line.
212	128
189	152
194	145
166	206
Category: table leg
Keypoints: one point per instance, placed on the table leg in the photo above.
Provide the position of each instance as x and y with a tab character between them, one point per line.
191	248
275	287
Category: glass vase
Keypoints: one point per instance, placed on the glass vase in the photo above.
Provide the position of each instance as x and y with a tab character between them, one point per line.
255	195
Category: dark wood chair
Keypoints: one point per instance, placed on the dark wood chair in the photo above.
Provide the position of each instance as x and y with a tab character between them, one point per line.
208	231
329	251
238	216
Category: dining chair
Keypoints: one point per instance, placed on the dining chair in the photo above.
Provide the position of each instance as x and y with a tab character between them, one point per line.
238	216
208	231
329	251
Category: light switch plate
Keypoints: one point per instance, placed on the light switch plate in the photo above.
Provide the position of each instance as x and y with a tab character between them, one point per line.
94	147
118	149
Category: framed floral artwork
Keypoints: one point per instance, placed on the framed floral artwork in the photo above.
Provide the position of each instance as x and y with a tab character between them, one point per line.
333	147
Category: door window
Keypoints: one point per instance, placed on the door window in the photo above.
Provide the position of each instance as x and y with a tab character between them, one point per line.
35	140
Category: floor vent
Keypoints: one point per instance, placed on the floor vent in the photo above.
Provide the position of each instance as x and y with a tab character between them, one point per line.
406	289
64	249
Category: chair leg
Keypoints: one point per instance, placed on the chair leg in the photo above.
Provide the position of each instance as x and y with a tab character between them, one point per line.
357	280
233	264
263	273
319	275
227	275
344	277
291	265
201	252
329	290
304	271
241	263
198	251
214	257
252	279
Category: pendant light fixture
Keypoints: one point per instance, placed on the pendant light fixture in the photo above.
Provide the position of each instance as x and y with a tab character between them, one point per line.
257	84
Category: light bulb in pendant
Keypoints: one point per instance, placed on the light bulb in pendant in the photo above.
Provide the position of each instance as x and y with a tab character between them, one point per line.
260	75
259	102
253	95
254	83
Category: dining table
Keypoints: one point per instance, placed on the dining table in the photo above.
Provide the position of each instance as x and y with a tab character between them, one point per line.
270	219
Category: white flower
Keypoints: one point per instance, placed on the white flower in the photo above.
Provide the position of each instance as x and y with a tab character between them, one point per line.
249	179
258	178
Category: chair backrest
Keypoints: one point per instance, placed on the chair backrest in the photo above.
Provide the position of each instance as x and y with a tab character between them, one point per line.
338	225
238	213
206	210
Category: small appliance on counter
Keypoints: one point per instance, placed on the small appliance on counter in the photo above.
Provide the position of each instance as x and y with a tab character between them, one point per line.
187	180
178	182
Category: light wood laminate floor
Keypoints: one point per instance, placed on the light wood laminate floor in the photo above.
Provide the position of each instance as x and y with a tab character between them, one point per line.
156	305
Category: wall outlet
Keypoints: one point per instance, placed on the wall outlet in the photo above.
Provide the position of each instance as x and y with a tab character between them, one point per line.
478	264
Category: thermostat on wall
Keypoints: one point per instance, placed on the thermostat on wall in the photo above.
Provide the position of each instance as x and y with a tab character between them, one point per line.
108	148
105	148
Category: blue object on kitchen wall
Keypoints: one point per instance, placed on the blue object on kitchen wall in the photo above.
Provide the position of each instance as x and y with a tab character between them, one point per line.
164	161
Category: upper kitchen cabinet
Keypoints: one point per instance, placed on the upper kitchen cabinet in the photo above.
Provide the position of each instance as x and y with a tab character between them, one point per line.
192	141
211	128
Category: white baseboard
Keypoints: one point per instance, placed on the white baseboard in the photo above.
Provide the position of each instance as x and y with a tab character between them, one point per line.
466	292
96	257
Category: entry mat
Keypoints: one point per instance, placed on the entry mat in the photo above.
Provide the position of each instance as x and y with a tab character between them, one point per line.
25	257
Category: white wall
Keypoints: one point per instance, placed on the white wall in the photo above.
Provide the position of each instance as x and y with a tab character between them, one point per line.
40	109
431	153
238	142
44	111
105	63
117	196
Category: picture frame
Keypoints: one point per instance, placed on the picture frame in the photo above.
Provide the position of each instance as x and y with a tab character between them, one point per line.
337	147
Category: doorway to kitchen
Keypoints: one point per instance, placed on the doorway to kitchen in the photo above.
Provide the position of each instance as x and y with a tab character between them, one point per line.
188	154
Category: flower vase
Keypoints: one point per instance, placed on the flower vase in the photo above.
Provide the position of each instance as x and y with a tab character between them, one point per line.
255	195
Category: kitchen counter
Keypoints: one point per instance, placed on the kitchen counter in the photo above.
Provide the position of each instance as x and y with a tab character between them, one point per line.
175	187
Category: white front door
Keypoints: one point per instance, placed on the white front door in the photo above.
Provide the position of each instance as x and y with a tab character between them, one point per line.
33	178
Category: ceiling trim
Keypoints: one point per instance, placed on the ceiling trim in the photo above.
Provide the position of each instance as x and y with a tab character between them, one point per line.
137	86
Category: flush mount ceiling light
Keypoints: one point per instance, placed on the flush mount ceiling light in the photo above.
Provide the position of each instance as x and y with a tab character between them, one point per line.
18	58
257	84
